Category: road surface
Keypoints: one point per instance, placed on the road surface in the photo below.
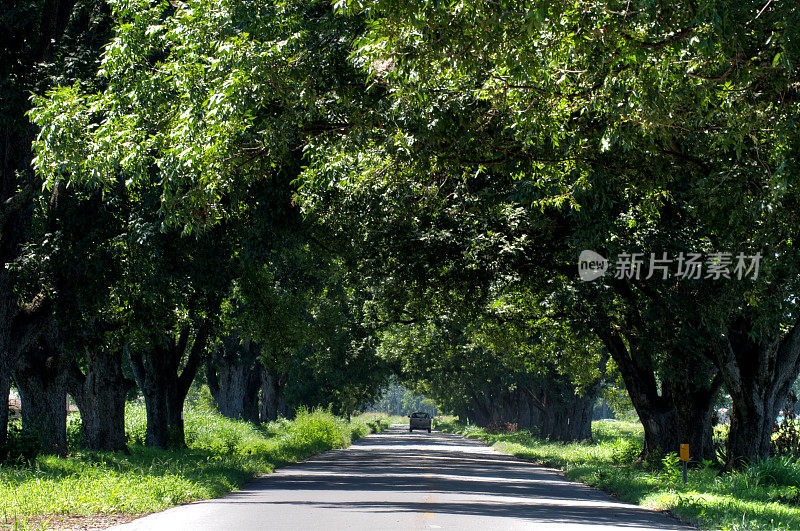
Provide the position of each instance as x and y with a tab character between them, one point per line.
399	480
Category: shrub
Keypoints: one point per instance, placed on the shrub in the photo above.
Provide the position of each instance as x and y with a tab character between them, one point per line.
317	431
626	451
786	434
502	427
776	471
671	467
471	430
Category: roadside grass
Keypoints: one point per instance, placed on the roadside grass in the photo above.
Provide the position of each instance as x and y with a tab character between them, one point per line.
763	496
393	419
222	455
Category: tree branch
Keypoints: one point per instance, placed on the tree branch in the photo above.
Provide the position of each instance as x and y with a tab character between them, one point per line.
657	45
14	204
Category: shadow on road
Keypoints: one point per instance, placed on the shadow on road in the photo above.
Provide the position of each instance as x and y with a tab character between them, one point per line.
460	477
543	513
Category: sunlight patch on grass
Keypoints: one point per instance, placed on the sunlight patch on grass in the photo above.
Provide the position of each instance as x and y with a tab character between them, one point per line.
222	455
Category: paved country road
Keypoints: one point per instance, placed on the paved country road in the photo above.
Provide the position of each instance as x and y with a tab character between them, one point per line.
407	481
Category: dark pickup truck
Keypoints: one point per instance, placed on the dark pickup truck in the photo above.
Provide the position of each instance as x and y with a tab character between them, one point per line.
419	421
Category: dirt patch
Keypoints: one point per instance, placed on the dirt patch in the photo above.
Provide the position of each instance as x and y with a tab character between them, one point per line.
68	522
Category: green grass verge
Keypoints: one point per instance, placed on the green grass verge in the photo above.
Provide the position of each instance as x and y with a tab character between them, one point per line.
764	496
394	419
222	455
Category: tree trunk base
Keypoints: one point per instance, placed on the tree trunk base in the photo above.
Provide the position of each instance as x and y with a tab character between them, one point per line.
273	403
235	389
751	432
100	396
41	376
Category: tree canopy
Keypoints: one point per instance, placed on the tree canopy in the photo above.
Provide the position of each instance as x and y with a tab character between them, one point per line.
356	189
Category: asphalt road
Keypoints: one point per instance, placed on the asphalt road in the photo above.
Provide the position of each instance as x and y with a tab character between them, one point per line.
399	480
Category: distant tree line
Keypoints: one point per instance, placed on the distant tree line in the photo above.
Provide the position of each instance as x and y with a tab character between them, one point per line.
397	399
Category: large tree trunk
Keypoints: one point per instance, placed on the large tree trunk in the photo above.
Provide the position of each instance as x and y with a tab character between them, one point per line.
579	418
163	401
100	395
7	359
479	410
151	370
680	413
273	403
155	405
176	396
5	392
234	377
758	375
41	377
20	326
235	390
694	409
752	419
164	389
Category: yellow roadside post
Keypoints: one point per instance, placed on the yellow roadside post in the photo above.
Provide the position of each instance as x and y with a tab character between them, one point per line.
684	459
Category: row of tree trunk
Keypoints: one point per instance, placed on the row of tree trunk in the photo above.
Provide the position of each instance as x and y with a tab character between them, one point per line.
675	410
46	373
240	384
676	406
552	406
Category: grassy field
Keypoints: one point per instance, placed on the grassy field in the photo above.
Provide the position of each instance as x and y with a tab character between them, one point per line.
222	455
765	496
